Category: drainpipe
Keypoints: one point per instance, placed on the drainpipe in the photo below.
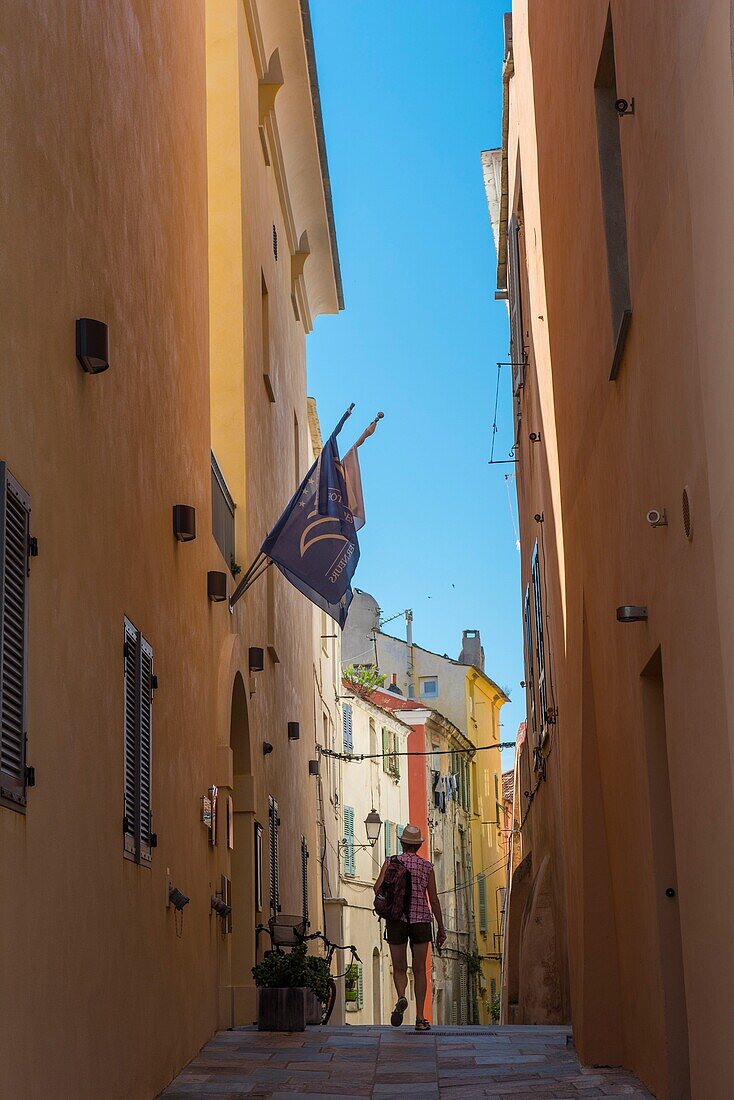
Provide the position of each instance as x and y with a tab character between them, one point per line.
409	638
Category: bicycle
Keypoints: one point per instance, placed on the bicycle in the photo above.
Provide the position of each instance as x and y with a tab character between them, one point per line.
284	932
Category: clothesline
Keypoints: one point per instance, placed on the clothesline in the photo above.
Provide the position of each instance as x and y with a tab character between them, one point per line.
357	757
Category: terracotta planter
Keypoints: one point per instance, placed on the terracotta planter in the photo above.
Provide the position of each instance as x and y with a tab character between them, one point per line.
314	1008
282	1009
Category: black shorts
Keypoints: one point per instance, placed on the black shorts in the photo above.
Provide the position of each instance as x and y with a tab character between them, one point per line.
399	932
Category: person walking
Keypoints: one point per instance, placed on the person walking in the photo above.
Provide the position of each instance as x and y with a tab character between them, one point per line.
414	927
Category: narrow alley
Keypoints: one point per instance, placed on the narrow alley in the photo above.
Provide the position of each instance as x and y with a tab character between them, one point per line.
450	1063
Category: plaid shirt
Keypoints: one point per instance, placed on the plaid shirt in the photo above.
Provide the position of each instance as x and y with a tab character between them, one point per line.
420	872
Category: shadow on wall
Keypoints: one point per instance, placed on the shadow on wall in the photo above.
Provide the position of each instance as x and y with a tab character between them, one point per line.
539	987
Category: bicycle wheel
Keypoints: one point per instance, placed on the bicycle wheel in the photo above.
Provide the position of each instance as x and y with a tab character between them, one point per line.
331	1001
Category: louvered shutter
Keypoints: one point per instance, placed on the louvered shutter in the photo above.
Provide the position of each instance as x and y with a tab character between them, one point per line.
274	825
395	757
360	986
130	738
482	891
386	750
398	835
15	508
463	998
304	878
347	727
146	749
542	717
349	865
517	348
388	839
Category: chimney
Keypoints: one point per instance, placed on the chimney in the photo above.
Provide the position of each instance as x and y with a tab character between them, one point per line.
394	684
472	652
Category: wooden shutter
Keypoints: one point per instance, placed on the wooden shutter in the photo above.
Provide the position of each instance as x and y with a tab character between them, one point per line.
388	839
130	785
395	757
539	645
530	669
145	751
349	865
15	508
347	727
386	750
360	986
517	347
274	826
482	891
138	745
304	878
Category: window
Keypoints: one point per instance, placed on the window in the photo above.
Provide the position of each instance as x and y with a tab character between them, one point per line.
518	357
429	686
482	891
139	682
258	866
274	853
539	645
347	727
390	749
612	196
353	987
222	514
304	880
530	668
349	863
15	548
265	336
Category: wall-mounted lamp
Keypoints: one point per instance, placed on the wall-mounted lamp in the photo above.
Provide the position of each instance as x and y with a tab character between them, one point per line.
220	907
539	517
294	731
267	748
255	659
372	825
92	345
624	106
216	586
177	899
184	522
535	437
313	767
631	613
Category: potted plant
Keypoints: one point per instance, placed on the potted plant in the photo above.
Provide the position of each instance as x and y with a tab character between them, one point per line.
291	989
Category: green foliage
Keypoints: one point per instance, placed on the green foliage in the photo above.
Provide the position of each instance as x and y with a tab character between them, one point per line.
367	677
495	1008
474	965
351	982
293	969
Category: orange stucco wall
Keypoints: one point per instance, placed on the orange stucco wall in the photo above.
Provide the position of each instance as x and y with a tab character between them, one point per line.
638	991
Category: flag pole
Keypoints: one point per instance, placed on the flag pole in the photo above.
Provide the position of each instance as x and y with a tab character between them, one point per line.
369	430
255	570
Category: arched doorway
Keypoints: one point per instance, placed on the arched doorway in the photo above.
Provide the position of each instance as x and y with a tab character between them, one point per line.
244	1007
376	988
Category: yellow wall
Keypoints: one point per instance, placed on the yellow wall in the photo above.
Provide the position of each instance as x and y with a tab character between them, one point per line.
105	215
483	704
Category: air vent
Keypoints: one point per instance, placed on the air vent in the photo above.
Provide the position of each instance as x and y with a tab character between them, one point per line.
687	518
275	242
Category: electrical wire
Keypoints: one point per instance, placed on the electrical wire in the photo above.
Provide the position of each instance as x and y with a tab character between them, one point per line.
357	758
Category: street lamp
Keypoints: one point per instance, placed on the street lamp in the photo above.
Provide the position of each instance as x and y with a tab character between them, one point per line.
373	824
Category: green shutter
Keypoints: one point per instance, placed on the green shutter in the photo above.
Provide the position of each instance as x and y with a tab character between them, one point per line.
349	864
388	839
386	750
396	758
360	987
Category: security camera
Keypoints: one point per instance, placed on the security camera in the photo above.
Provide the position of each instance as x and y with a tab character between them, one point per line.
656	517
220	907
177	899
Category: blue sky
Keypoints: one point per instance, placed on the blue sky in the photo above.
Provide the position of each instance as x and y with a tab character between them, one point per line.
411	93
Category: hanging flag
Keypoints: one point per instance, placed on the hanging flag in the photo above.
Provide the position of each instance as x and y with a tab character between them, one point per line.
314	543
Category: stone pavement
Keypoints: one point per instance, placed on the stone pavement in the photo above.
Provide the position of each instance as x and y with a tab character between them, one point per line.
503	1063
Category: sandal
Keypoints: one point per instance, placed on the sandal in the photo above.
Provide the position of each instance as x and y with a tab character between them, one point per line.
397	1016
422	1025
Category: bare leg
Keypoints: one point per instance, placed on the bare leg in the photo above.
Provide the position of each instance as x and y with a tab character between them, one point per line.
399	953
420	954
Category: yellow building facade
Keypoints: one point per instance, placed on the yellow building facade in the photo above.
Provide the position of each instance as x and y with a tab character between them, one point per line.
484	702
139	195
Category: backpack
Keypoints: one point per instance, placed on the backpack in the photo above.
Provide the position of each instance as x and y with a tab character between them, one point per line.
393	900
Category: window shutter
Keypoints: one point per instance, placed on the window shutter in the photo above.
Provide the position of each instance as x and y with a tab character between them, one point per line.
304	879
542	717
347	727
15	509
349	865
463	994
517	349
395	757
360	987
386	749
273	828
482	891
130	737
399	830
388	839
530	669
146	748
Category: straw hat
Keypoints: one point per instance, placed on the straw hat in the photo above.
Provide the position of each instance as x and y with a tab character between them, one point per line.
411	835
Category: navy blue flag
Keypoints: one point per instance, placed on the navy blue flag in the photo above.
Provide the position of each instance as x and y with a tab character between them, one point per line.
314	543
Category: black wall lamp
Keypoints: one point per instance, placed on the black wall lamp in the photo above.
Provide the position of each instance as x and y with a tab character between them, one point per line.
631	613
184	522
294	731
255	658
313	767
216	586
92	345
